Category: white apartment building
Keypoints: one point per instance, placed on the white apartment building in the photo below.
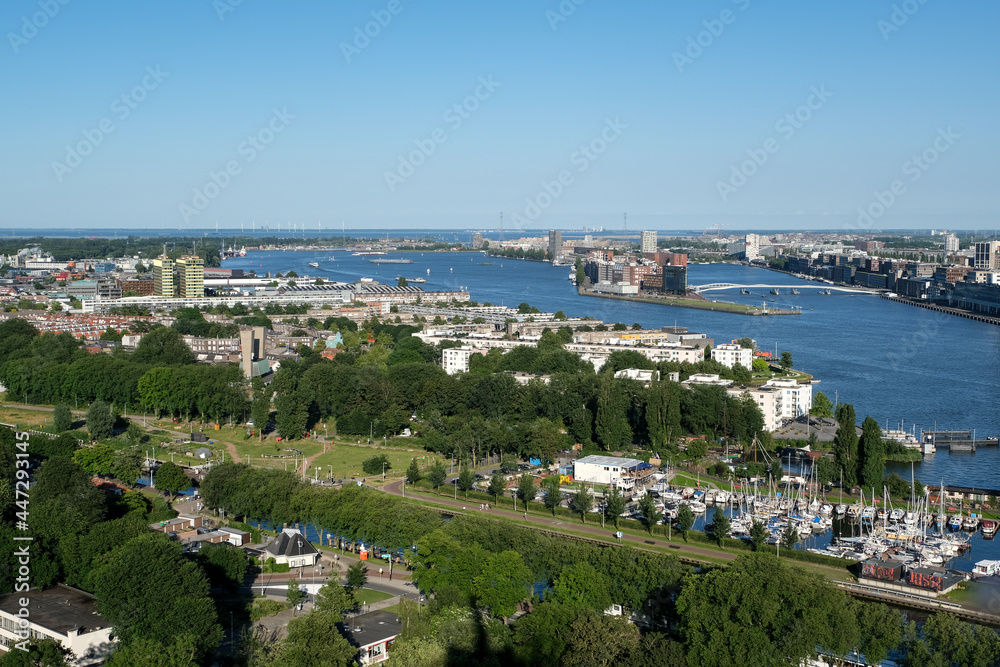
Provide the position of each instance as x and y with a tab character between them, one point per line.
780	401
706	379
66	615
646	377
768	400
951	243
648	243
729	355
455	360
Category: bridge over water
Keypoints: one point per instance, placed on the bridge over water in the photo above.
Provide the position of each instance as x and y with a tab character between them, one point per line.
819	286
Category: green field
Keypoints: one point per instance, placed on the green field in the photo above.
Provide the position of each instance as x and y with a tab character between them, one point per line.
369	596
344	461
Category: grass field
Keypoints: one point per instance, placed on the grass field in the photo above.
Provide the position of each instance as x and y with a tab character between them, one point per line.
369	596
344	461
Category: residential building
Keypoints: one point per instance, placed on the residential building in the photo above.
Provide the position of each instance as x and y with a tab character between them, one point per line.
730	354
253	356
951	243
555	244
987	255
646	377
768	399
140	287
648	242
796	398
191	277
292	548
706	379
456	359
163	277
477	241
373	634
64	614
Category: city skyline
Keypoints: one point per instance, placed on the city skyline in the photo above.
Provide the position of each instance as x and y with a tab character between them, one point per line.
560	116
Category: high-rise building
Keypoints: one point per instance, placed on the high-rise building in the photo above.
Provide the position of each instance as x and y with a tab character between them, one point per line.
555	244
477	241
163	276
648	243
191	277
951	243
252	352
752	247
987	255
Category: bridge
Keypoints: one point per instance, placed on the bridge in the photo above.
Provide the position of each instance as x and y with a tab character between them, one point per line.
721	286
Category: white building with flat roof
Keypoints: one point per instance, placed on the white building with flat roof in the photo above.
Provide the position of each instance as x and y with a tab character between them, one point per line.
648	242
604	469
796	398
706	379
767	399
730	354
66	615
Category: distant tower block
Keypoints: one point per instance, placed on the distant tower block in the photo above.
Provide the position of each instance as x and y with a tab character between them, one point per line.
648	244
252	350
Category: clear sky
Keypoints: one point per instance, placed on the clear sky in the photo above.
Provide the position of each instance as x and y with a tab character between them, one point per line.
318	122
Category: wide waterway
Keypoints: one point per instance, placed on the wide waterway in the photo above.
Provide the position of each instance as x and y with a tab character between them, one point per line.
895	362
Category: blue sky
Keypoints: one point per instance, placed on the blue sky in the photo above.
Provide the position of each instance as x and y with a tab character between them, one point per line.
617	100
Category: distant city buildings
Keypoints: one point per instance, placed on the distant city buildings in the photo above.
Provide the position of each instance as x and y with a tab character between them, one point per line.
477	240
987	255
190	277
951	243
163	276
555	244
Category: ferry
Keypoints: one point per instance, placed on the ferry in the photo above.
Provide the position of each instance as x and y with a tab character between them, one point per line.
365	253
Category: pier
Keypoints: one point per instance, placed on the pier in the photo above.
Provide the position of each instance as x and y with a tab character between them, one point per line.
968	314
958	441
698	289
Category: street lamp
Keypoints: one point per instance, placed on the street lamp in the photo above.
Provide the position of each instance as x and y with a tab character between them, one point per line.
455	482
383	470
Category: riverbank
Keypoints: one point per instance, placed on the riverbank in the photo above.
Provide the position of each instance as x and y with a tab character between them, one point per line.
968	314
680	302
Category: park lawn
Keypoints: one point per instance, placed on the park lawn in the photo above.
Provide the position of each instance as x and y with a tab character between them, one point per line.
40	420
346	460
369	596
688	480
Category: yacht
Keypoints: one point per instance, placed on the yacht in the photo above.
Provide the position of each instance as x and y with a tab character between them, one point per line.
315	265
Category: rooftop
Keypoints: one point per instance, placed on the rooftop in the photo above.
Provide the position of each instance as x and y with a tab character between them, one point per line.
290	543
371	628
610	461
60	609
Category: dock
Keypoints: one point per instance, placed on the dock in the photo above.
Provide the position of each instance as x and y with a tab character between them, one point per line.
959	441
968	314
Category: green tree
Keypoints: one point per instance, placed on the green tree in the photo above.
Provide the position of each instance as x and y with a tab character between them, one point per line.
697	449
744	615
466	479
611	424
786	360
334	598
582	502
758	534
526	489
650	514
100	421
43	653
357	576
663	413
582	584
596	639
260	406
225	566
502	583
685	519
614	505
790	536
126	465
945	640
413	472
497	486
821	406
96	460
553	496
760	366
163	346
871	454
147	589
720	526
294	595
374	465
845	444
62	418
314	641
170	478
437	474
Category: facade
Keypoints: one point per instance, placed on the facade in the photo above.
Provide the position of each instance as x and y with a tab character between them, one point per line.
373	634
163	277
555	244
190	277
987	255
604	469
768	400
648	242
252	351
796	398
66	615
951	243
477	241
456	359
675	279
140	287
730	355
